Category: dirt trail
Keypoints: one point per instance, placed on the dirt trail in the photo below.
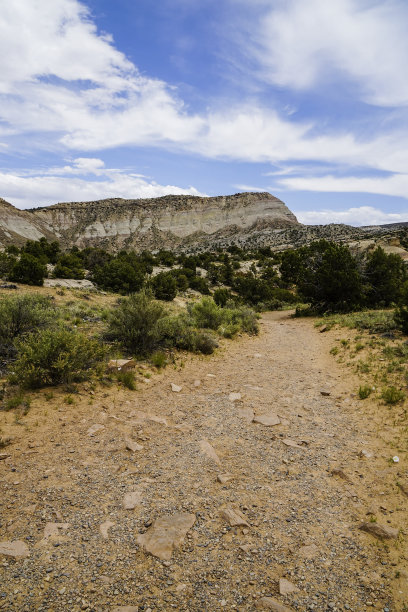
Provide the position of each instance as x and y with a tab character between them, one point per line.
302	518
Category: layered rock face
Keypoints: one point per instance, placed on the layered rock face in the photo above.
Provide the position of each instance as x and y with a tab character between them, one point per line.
166	222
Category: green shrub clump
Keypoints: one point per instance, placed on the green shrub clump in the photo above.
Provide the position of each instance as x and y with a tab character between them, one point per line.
28	270
364	392
55	356
392	395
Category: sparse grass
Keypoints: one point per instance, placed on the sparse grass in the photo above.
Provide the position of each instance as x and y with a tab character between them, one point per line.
19	400
127	379
68	399
159	359
392	395
364	392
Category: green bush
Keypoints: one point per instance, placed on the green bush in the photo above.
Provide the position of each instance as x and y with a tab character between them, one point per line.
392	395
69	266
401	319
206	314
221	296
164	286
51	357
134	323
159	359
364	392
120	276
127	379
20	315
28	270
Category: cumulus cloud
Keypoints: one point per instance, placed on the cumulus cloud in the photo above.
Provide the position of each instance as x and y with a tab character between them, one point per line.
299	44
361	215
73	184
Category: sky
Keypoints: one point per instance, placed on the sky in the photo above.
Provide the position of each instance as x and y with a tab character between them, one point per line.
135	99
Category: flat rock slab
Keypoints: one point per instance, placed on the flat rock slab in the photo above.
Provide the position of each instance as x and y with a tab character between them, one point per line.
208	450
126	609
308	552
380	531
132	445
104	529
122	364
17	548
247	414
269	420
52	529
291	443
132	499
234	397
95	428
176	388
269	603
233	517
166	534
286	587
224	478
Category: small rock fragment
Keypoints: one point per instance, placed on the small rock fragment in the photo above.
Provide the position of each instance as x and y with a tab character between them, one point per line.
267	419
209	451
4	456
175	388
324	392
291	443
132	499
197	382
17	548
380	531
247	414
234	397
323	328
121	364
95	428
52	529
286	587
224	478
126	609
268	603
233	517
165	534
309	551
366	454
339	472
132	445
104	528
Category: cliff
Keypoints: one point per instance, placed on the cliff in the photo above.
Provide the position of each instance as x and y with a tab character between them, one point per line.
167	222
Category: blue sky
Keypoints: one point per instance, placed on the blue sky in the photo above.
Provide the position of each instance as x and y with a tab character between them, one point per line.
134	98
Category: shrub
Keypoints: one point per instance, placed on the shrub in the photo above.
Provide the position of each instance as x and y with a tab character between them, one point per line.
28	270
127	379
134	323
120	276
206	313
69	266
159	359
364	392
392	395
221	296
20	315
164	286
50	357
385	275
401	319
200	284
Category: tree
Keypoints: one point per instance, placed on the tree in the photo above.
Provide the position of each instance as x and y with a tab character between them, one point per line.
119	276
164	286
385	276
28	270
329	277
69	266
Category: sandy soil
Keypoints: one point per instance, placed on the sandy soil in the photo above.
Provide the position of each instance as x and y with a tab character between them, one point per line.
302	486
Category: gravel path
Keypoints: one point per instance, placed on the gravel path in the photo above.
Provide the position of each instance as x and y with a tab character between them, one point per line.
300	488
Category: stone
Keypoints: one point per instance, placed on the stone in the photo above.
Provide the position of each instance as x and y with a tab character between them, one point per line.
365	454
95	428
269	420
291	443
121	364
234	397
380	531
125	609
341	474
4	456
246	413
286	587
224	478
166	534
233	517
325	392
404	487
132	445
17	548
52	529
208	450
132	499
309	551
197	383
323	328
104	528
269	603
175	388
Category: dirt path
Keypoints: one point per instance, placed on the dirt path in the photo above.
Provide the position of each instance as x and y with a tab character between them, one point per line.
302	518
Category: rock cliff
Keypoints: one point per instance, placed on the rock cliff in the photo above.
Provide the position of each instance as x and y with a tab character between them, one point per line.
167	222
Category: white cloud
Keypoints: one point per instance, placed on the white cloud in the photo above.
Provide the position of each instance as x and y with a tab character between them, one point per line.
395	185
299	44
26	190
361	215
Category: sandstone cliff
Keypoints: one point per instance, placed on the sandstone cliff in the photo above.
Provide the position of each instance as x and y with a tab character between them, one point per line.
167	222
